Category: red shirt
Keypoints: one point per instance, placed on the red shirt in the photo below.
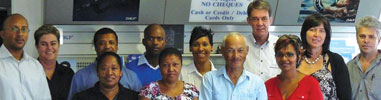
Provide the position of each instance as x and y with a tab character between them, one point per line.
308	89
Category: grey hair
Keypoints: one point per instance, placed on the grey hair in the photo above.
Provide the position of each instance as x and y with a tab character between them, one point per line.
369	22
232	34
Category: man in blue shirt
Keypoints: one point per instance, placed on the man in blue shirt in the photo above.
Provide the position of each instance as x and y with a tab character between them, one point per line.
105	40
233	82
147	65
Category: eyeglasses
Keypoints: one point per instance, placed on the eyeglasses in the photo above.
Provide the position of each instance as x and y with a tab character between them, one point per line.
288	55
15	29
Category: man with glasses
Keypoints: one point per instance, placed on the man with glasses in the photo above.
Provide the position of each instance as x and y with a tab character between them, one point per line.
260	59
21	76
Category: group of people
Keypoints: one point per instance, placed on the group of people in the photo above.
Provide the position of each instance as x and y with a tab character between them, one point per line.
259	66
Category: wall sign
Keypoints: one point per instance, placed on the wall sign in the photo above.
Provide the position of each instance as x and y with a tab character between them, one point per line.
218	10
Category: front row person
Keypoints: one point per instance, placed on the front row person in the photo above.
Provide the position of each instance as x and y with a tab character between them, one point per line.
169	87
105	40
365	68
291	84
59	77
109	72
233	82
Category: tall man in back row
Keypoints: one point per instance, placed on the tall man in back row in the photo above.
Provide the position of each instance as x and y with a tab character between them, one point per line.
147	66
260	59
21	76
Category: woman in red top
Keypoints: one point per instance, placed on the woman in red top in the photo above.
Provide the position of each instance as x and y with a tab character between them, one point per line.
291	84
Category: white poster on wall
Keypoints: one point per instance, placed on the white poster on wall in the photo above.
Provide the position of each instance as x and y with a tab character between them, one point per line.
218	10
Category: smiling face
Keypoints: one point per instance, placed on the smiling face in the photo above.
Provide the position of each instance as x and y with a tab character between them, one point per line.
48	47
15	33
109	72
315	36
367	40
260	21
286	58
234	51
170	68
201	49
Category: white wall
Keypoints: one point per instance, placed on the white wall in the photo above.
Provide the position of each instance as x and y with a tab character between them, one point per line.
32	10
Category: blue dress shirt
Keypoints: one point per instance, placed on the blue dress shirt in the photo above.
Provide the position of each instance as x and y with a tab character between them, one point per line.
87	77
216	85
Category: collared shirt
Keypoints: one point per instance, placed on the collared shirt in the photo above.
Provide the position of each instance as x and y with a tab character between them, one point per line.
145	72
87	77
59	84
23	79
95	93
365	85
261	58
189	74
216	85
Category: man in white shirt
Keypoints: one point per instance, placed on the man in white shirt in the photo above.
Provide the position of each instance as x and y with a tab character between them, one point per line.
21	76
260	59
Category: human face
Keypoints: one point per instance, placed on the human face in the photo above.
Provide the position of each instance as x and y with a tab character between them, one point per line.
316	36
170	68
106	43
15	33
286	58
260	21
154	41
235	52
48	47
201	49
367	40
109	72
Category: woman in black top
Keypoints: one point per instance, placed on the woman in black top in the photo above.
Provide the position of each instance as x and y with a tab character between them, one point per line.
59	77
318	61
108	87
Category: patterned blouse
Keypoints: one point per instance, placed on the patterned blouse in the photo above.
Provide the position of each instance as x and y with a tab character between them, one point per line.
152	91
327	84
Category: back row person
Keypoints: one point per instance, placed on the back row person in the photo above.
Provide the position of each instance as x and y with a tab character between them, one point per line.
201	46
105	40
261	42
147	66
21	76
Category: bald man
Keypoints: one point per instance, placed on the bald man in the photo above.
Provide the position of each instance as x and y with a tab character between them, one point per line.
232	81
147	66
21	76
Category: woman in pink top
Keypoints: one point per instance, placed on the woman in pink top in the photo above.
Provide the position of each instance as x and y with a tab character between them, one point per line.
291	84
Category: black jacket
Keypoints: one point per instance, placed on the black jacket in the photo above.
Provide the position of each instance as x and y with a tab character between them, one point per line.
95	93
340	75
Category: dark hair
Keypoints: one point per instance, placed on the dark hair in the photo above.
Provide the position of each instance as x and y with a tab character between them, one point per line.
284	41
313	21
170	51
199	32
259	4
104	55
44	30
103	31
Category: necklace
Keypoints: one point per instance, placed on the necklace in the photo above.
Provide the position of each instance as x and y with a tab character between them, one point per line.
312	62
